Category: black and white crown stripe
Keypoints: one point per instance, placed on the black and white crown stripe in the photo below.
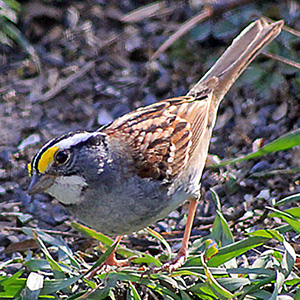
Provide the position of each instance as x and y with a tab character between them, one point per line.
64	142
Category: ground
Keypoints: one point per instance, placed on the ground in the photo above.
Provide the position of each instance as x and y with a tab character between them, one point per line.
95	62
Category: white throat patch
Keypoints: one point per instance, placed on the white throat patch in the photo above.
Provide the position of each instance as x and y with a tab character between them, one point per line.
68	190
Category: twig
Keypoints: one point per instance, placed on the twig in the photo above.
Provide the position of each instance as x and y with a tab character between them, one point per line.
185	27
286	28
282	59
62	84
46	231
147	11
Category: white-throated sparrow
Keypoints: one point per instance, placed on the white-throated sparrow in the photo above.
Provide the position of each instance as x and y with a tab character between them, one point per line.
136	170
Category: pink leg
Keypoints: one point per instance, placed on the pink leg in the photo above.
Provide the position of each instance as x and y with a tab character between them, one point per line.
111	259
179	260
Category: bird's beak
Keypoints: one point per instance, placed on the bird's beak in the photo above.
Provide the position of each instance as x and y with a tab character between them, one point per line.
40	183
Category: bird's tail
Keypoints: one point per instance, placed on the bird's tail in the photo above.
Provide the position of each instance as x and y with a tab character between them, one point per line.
244	48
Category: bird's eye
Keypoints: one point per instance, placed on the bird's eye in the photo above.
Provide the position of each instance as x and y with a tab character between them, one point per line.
61	157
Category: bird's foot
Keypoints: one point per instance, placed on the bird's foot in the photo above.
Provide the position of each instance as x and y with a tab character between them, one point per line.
109	263
174	263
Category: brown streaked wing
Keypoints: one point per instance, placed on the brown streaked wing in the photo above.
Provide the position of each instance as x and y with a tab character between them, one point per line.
162	136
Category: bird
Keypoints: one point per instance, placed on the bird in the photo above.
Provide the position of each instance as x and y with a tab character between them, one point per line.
134	171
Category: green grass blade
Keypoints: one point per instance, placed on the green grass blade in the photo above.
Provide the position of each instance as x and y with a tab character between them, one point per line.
288	199
287	217
216	287
53	286
11	287
16	35
62	246
157	236
288	259
267	233
102	258
228	252
55	267
285	142
220	231
92	233
294	212
134	293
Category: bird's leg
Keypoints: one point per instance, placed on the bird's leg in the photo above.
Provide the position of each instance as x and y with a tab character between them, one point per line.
180	258
111	260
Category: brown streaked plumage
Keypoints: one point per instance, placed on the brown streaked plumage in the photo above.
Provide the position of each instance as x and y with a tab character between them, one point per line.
162	137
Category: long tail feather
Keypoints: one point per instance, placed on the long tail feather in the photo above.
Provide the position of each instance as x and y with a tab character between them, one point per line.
244	48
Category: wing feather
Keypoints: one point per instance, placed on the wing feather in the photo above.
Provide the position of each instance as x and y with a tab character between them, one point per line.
162	137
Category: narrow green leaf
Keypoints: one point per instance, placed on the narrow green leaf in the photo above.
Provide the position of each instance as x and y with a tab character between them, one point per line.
34	265
220	231
184	296
55	267
92	233
288	199
224	272
294	212
141	257
11	287
53	286
157	236
254	289
267	233
203	291
134	292
278	284
137	278
218	289
287	217
280	172
216	199
288	259
15	34
285	142
233	250
233	284
99	294
166	280
55	242
102	258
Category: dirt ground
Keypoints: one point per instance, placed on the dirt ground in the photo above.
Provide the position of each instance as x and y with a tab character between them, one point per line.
95	66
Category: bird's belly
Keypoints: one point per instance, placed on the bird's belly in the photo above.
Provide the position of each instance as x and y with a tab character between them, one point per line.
127	210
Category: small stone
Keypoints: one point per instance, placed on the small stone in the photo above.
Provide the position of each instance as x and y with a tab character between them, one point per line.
260	166
174	214
31	140
104	117
248	198
2	190
264	194
280	112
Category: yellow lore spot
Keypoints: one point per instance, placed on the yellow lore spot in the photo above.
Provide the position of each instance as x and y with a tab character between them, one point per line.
46	159
29	169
